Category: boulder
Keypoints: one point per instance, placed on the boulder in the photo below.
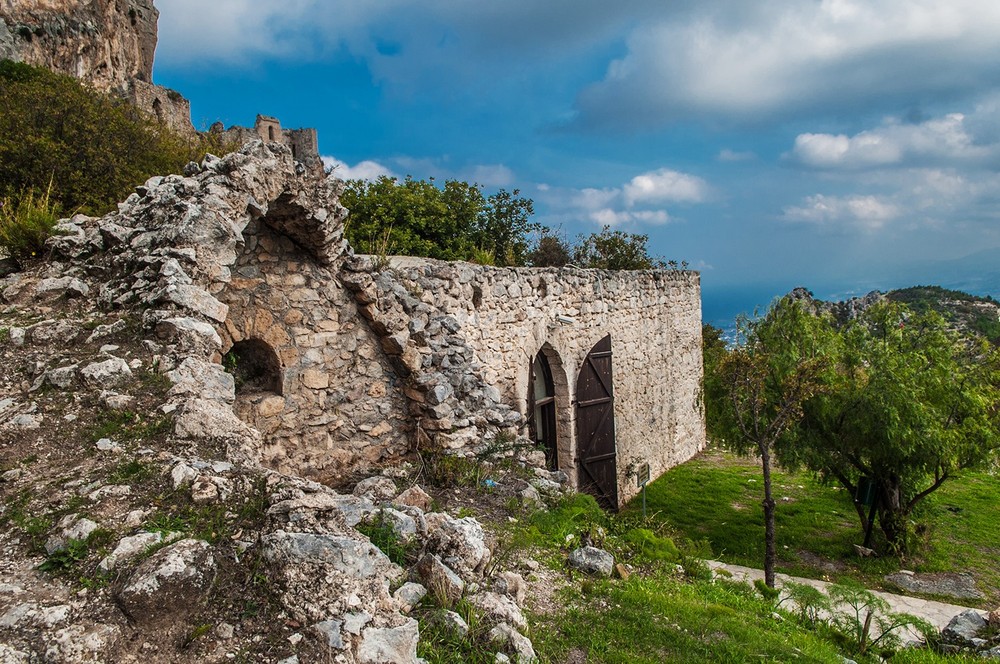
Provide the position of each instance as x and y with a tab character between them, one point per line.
106	374
442	583
70	527
128	548
495	609
415	497
964	629
592	560
171	584
389	644
461	543
513	643
378	489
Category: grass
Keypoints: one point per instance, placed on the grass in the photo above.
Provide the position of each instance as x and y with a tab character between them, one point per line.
717	497
658	618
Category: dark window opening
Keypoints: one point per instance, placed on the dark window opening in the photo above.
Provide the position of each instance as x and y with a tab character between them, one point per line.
270	133
542	411
254	366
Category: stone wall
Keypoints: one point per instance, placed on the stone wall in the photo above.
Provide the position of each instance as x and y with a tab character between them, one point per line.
506	316
345	362
303	143
338	404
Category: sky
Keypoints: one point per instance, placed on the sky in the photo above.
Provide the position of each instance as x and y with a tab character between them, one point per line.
841	145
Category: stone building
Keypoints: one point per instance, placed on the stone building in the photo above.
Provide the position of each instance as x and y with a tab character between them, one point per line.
303	143
344	362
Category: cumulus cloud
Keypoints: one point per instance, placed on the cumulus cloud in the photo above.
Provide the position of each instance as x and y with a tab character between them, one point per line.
663	186
866	212
945	139
751	61
637	202
363	170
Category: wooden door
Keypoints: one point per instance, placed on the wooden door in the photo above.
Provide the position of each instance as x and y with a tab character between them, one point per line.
595	427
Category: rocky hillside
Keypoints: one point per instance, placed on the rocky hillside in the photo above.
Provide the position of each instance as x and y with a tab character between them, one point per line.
107	43
135	521
968	314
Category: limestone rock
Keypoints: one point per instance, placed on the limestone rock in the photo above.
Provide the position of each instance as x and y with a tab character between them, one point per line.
128	548
442	583
205	380
514	643
415	497
70	527
389	644
67	286
342	554
495	609
330	634
352	509
461	543
106	374
964	629
511	584
409	595
378	488
170	584
592	560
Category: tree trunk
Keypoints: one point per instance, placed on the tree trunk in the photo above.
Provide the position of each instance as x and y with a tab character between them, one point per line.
770	550
892	515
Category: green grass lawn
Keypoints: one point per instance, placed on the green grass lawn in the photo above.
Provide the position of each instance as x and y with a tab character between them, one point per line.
717	497
658	618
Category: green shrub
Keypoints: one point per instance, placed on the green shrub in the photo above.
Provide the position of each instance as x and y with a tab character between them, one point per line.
26	221
92	147
381	533
647	544
575	514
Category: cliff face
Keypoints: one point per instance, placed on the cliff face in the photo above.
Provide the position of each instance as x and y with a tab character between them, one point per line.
107	43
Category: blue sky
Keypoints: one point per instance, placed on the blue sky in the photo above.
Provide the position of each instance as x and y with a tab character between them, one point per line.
843	145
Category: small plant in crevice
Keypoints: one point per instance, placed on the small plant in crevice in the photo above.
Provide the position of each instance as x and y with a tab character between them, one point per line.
380	531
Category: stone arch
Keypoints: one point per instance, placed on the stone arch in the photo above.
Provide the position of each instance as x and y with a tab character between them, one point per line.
564	421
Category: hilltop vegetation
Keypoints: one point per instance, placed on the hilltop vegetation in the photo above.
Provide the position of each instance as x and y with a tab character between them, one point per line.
88	150
965	311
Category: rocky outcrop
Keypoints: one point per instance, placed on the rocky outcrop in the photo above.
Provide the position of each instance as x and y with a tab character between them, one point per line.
107	43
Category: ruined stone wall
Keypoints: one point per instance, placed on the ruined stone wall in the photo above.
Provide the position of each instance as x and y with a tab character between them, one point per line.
339	405
164	104
303	143
104	42
506	316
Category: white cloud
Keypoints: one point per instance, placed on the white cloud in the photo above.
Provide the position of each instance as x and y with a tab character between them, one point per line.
727	155
665	185
363	170
867	212
752	61
636	202
946	139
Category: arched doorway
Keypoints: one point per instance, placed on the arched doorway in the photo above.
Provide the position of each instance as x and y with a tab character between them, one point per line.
542	410
595	427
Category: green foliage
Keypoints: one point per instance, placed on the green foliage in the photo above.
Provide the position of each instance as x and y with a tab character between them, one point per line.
910	405
647	544
131	472
571	516
955	306
864	620
92	147
457	222
615	250
70	559
810	603
26	221
551	250
766	591
381	533
126	426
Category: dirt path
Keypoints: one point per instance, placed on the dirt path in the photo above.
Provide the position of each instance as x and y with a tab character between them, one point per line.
938	614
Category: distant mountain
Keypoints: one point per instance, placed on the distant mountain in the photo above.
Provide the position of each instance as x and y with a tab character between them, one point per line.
965	312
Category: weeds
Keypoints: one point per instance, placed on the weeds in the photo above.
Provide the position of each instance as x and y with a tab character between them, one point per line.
26	222
380	531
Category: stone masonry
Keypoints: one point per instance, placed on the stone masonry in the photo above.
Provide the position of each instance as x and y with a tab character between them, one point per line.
500	318
352	364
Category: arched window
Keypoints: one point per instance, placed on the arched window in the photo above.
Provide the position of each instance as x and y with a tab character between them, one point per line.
542	409
254	365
